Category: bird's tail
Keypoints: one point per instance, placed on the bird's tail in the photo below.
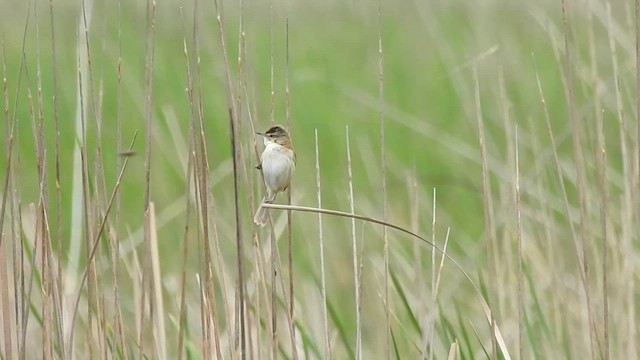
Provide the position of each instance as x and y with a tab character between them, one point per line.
262	214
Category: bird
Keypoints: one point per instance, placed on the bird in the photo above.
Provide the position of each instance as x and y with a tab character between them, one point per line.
277	162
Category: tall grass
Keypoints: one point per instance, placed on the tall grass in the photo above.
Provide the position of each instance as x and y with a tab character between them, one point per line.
522	117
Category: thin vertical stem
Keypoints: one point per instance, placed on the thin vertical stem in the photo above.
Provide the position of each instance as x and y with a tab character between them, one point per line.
356	275
632	328
209	234
578	157
115	251
637	174
272	111
325	322
236	185
150	56
189	178
58	198
21	308
487	205
49	301
8	318
383	166
240	115
75	236
91	250
604	219
272	239
433	277
287	98
520	259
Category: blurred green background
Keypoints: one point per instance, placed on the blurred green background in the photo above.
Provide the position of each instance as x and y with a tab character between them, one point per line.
429	50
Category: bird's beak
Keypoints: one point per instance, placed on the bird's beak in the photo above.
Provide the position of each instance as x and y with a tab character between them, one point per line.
259	133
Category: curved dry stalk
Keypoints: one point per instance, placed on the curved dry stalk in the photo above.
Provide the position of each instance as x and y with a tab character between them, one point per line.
496	330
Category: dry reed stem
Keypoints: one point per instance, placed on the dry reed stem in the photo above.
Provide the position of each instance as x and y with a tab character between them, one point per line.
628	191
87	100
93	248
114	243
159	333
431	323
258	256
242	90
56	125
323	280
241	81
19	316
581	182
604	220
76	226
487	201
520	286
190	177
8	317
383	167
637	68
57	285
558	169
419	281
246	167
272	109
47	275
440	267
454	350
272	238
212	210
30	268
83	195
284	299
436	273
205	311
632	330
236	186
287	99
504	249
436	287
258	253
276	269
208	216
149	65
356	276
601	163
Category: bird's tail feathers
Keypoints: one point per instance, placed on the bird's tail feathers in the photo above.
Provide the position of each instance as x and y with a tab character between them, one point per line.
262	214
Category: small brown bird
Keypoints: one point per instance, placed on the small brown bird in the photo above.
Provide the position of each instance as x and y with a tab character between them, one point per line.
277	162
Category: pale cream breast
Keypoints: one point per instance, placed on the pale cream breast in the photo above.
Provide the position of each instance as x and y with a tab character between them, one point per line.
277	166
